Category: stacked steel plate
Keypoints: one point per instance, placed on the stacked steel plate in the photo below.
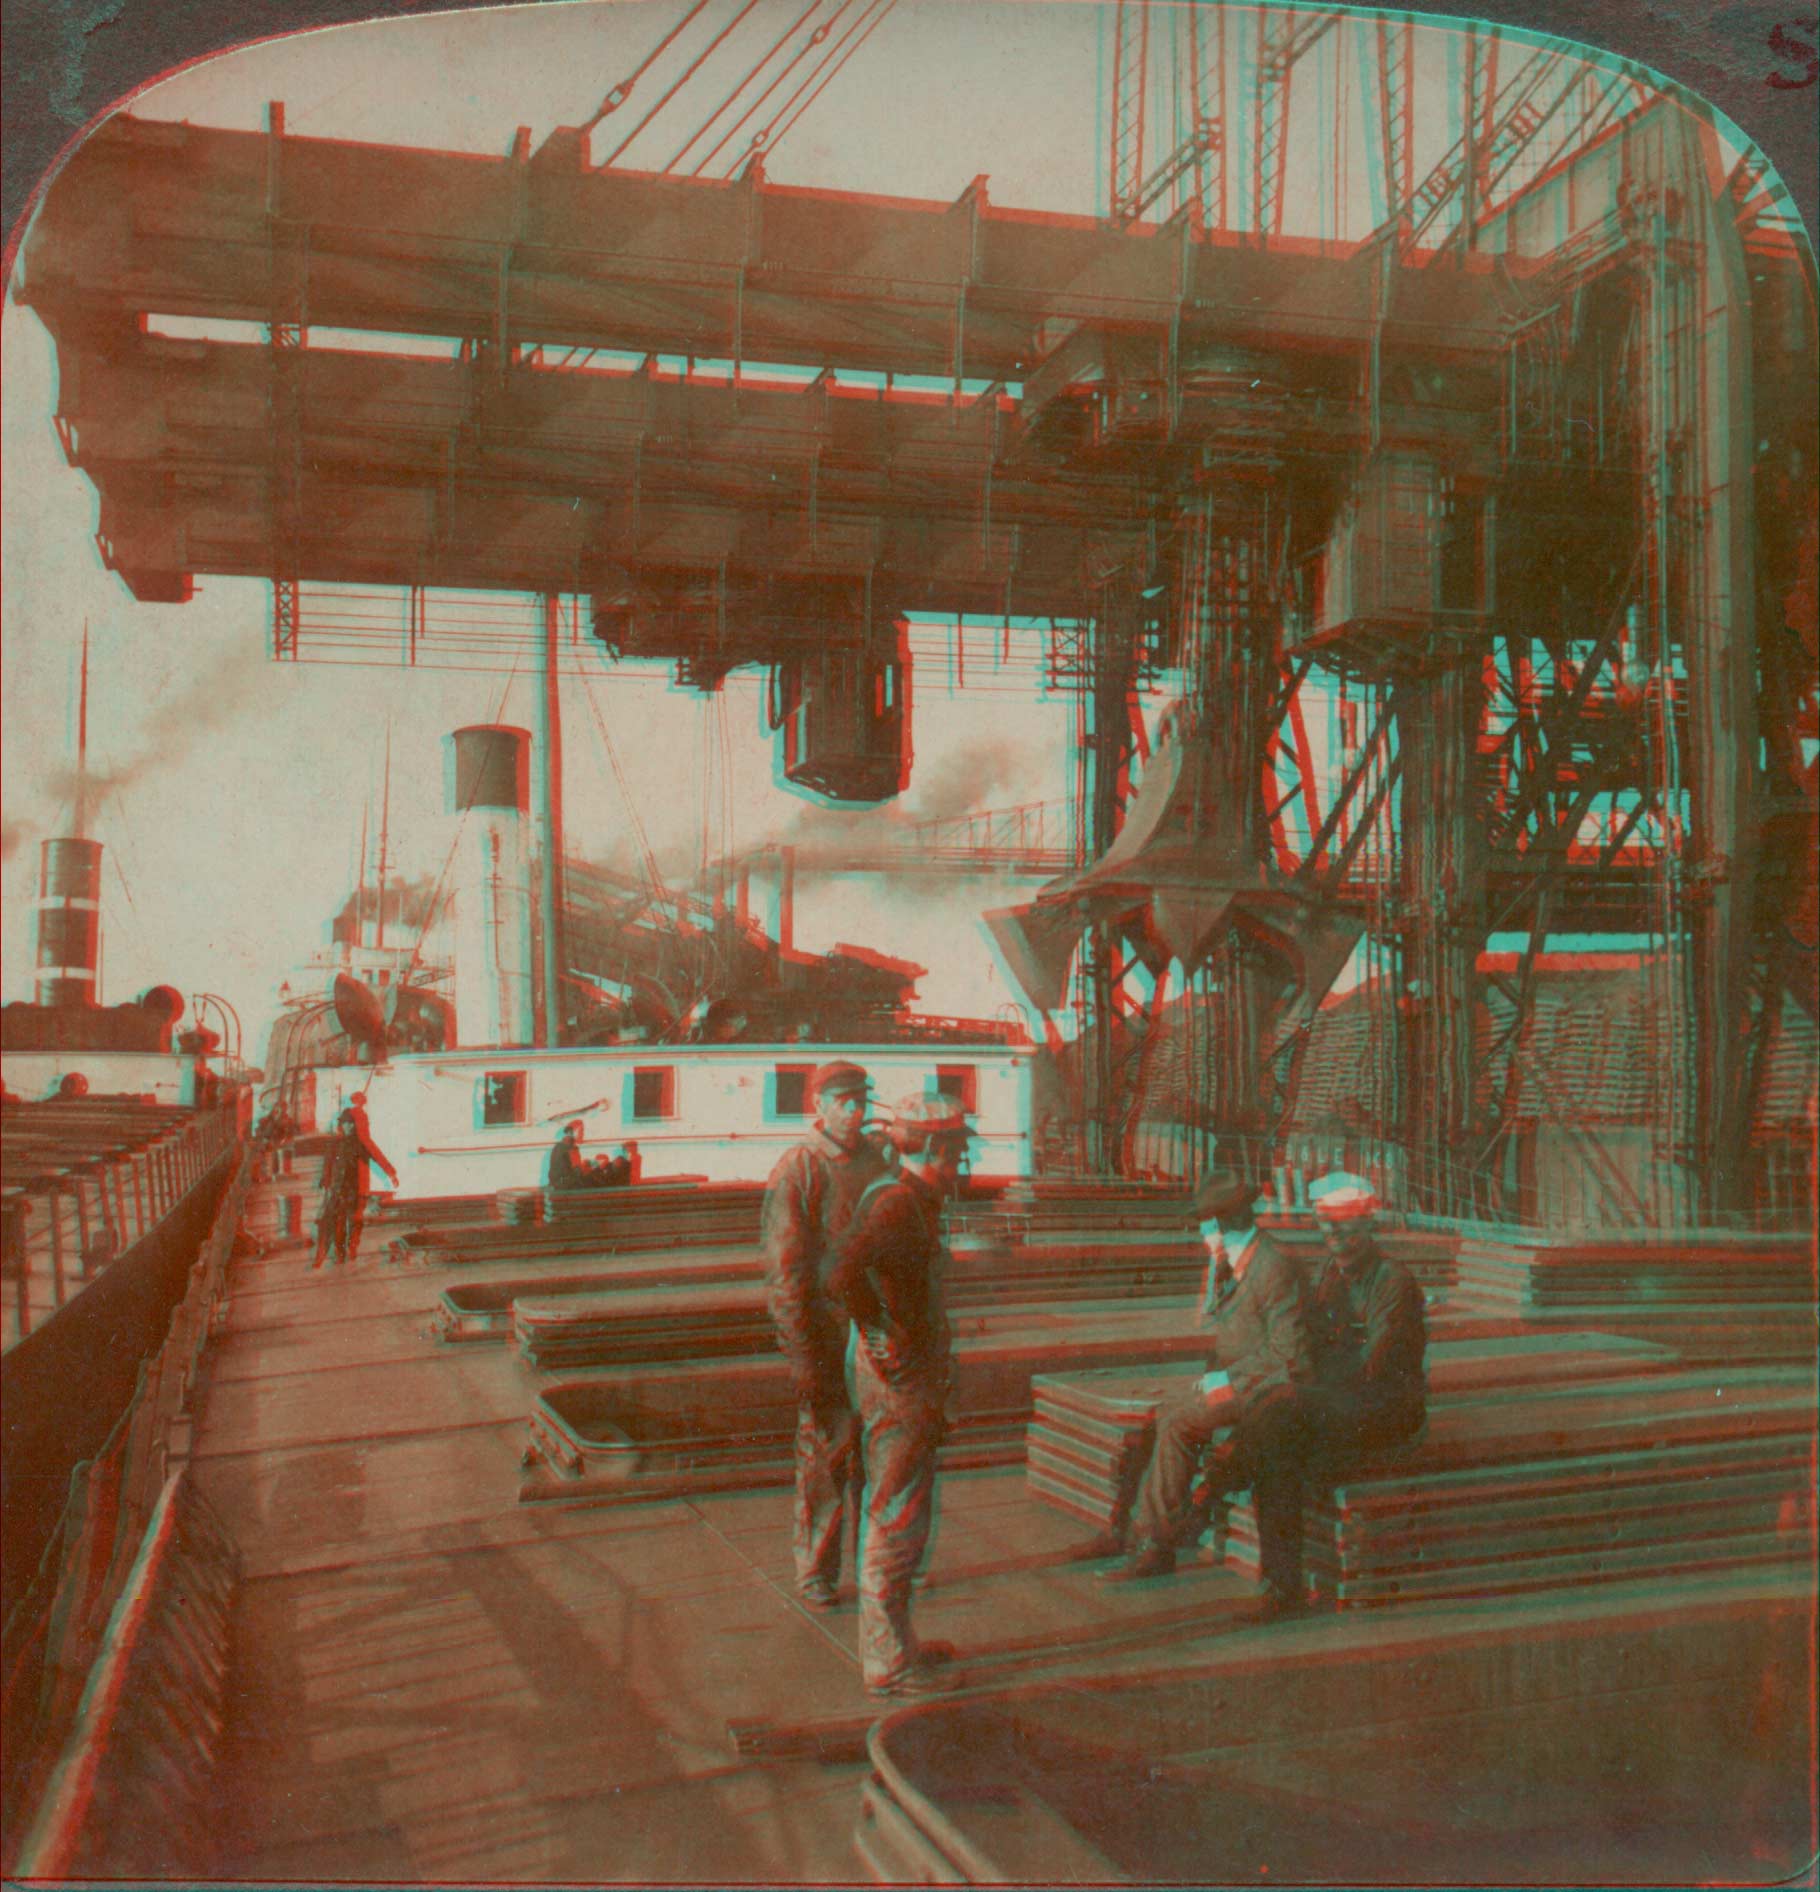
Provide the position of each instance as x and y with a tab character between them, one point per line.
1645	1477
1091	1433
613	1221
1692	1269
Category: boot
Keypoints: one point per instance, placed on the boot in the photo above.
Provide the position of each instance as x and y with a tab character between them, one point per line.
1147	1560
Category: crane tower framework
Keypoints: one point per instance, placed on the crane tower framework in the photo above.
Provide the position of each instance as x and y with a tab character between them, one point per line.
1513	499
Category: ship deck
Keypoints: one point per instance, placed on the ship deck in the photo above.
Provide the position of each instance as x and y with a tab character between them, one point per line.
435	1683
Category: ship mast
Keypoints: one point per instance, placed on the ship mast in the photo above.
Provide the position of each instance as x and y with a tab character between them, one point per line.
385	823
81	813
549	824
360	884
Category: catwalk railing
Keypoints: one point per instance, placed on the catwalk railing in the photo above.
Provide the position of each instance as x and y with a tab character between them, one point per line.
96	1613
71	1209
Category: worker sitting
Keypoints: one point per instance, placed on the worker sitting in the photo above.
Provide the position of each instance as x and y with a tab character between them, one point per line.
569	1169
1246	1420
1369	1329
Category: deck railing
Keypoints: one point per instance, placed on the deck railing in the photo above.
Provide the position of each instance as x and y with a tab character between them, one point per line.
72	1218
63	1621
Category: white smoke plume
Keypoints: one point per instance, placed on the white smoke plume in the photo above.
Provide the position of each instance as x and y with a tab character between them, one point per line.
173	727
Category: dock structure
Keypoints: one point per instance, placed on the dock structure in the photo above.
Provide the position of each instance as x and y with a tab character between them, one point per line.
1478	485
1425	599
432	1680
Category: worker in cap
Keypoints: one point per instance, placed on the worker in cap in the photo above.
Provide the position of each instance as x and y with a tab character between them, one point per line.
839	1079
1341	1197
1225	1197
1369	1335
918	1121
889	1275
1371	1329
808	1200
1243	1425
344	1183
567	1168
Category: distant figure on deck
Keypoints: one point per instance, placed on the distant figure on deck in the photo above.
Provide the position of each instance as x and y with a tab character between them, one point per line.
344	1188
890	1275
616	1171
569	1169
1248	1418
808	1200
270	1136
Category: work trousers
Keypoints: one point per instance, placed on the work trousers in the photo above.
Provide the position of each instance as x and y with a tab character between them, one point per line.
338	1227
1263	1454
901	1429
827	1466
1335	1435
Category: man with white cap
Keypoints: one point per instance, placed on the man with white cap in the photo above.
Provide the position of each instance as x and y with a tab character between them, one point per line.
889	1275
1370	1331
808	1201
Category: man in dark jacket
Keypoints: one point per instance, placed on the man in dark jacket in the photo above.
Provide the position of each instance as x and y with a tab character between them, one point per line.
807	1204
1248	1417
1370	1333
344	1187
889	1276
569	1169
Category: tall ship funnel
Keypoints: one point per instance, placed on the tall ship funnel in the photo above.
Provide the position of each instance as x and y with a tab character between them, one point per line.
69	923
489	799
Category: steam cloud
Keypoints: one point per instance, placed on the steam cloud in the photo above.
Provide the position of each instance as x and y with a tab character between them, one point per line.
963	783
174	727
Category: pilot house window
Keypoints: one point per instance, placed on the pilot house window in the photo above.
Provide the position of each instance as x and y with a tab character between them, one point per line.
961	1082
791	1090
503	1097
653	1091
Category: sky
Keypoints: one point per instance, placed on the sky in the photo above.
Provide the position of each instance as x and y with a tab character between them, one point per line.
234	788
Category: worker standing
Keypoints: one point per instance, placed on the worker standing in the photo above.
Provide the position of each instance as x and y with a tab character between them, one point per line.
344	1187
889	1275
808	1200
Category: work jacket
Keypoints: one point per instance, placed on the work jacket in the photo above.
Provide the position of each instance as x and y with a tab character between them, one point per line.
568	1169
1259	1327
890	1274
343	1167
808	1201
1371	1342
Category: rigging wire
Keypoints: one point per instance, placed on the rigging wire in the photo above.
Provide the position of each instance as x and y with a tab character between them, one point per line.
768	132
623	90
817	38
655	879
774	139
776	47
688	72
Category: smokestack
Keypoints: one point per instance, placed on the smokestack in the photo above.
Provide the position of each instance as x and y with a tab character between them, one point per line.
488	799
69	922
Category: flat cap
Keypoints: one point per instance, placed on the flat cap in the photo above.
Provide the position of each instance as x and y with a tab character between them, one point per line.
1223	1195
933	1114
1340	1196
839	1079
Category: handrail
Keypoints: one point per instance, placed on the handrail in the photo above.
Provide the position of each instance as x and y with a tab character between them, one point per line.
77	1216
52	1634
